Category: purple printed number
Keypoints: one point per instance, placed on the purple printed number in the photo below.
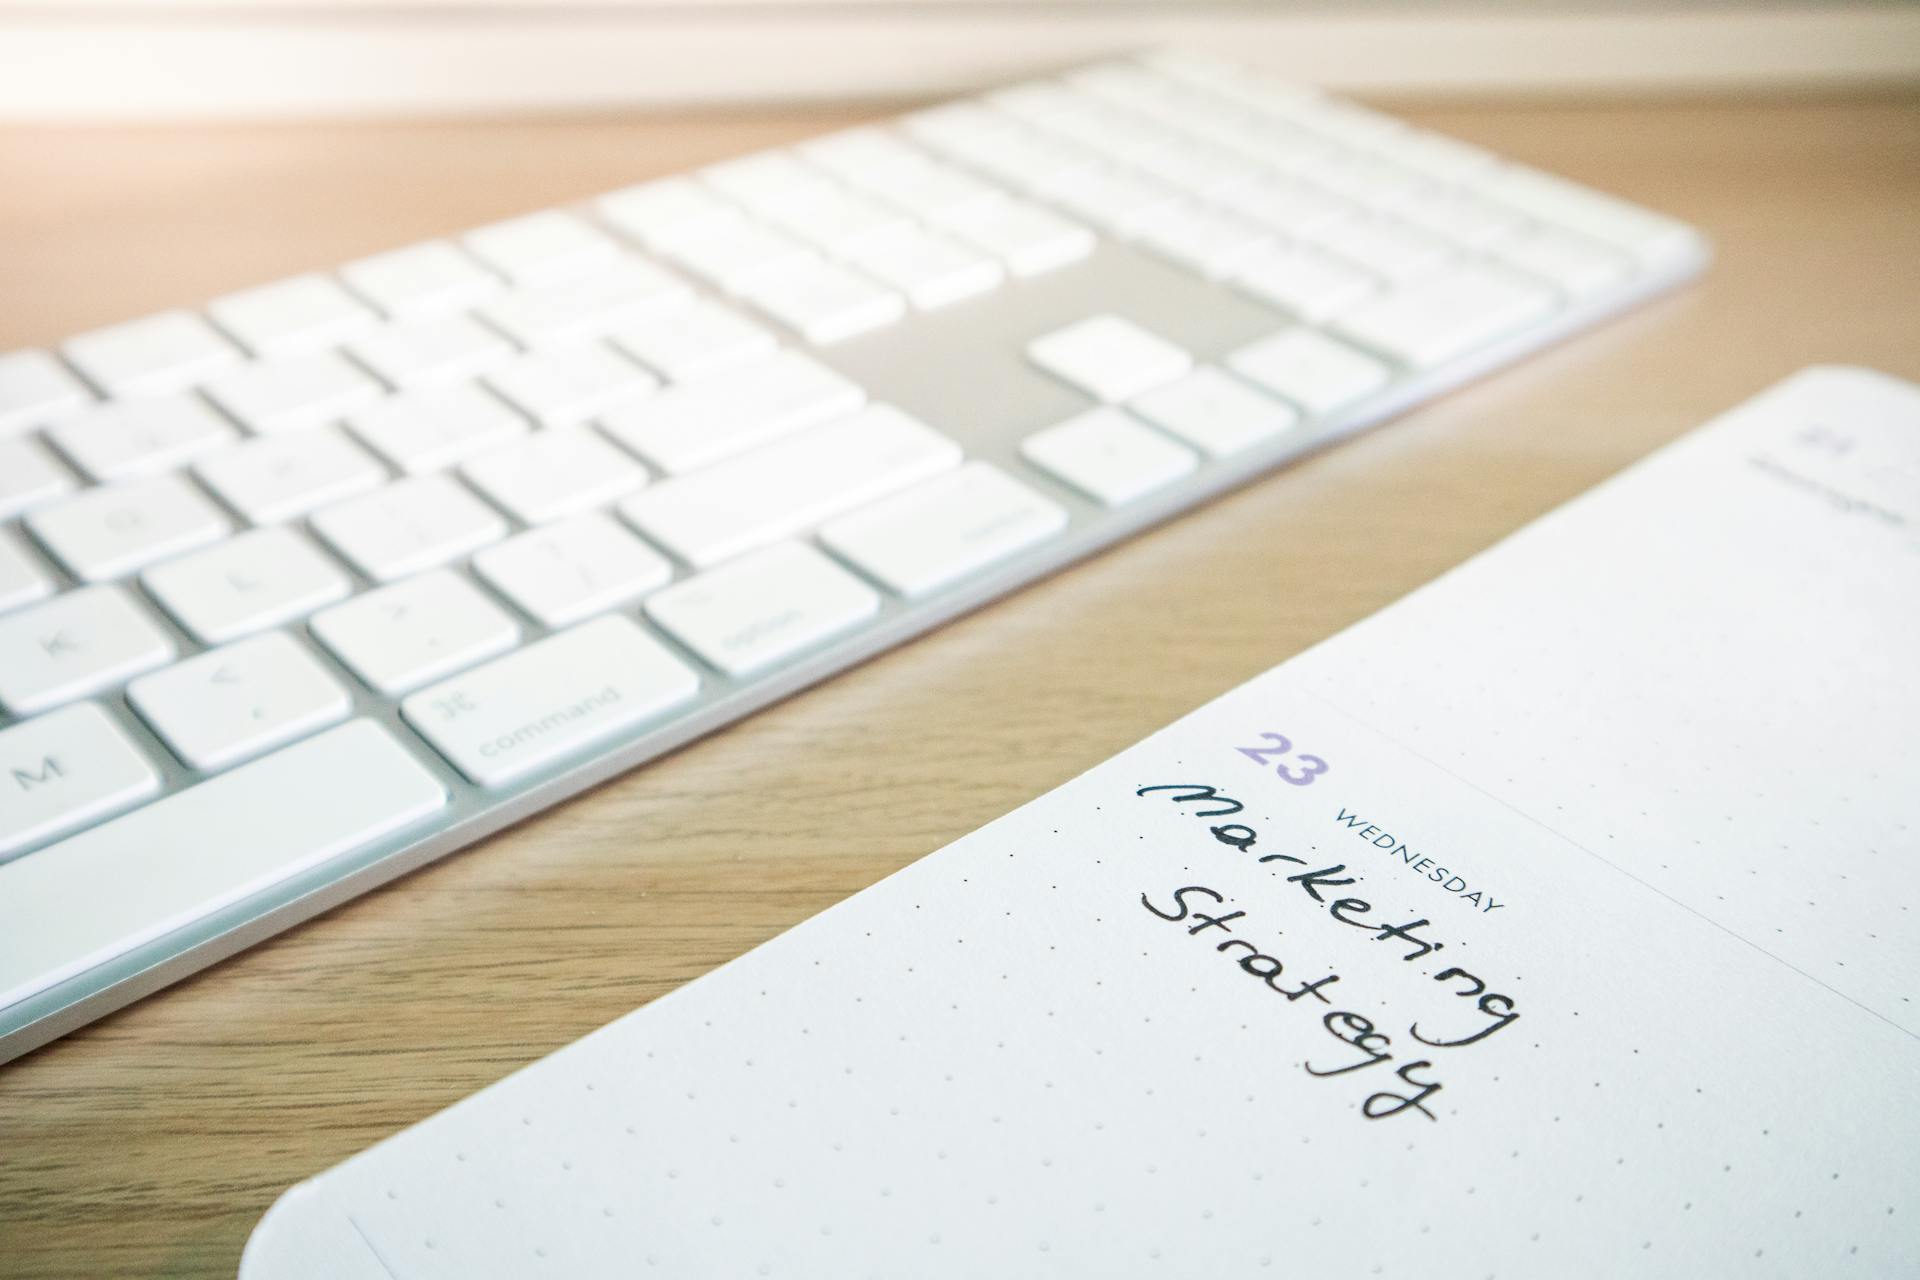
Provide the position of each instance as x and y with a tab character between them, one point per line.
1301	774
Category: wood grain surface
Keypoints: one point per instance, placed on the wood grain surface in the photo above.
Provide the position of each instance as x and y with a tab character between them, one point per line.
148	1143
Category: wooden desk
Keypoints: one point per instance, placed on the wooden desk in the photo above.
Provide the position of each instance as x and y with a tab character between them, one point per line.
150	1142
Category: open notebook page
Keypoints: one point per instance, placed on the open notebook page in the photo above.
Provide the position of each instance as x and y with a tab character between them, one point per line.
1562	919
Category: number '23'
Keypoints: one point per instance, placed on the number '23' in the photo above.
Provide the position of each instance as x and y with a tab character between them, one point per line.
1310	767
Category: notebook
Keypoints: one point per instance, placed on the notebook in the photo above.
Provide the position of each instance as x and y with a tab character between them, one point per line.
1562	919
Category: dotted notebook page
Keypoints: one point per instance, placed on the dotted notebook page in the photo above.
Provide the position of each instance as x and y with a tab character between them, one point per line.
1475	942
1720	695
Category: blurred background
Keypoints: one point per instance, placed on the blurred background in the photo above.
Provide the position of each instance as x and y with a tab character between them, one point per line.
119	59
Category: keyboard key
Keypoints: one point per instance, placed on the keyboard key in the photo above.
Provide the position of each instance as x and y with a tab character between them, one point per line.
833	219
789	485
166	352
941	531
257	580
29	475
220	707
1311	284
542	248
587	307
424	279
1447	315
292	393
1210	241
63	770
932	270
823	302
1277	145
401	636
1312	370
35	389
1133	90
408	526
416	353
1021	157
1028	239
189	854
953	124
1372	181
1040	103
280	478
558	388
927	189
1343	121
571	570
1124	85
1641	233
654	212
1064	110
852	154
1196	167
1108	456
694	342
1575	263
429	428
695	425
73	645
1400	252
1442	158
1109	358
1102	133
807	184
307	313
113	530
140	437
22	578
1288	207
1127	142
532	709
1121	203
731	251
749	615
1462	217
758	178
555	473
1215	412
1129	93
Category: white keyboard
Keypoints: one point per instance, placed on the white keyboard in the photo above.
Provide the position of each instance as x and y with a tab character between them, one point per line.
335	575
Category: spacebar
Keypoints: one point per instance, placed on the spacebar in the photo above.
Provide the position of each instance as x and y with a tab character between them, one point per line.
97	895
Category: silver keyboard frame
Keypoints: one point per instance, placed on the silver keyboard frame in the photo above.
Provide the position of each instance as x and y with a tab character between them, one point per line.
1152	291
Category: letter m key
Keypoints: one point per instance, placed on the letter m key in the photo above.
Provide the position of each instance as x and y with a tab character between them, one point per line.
50	769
